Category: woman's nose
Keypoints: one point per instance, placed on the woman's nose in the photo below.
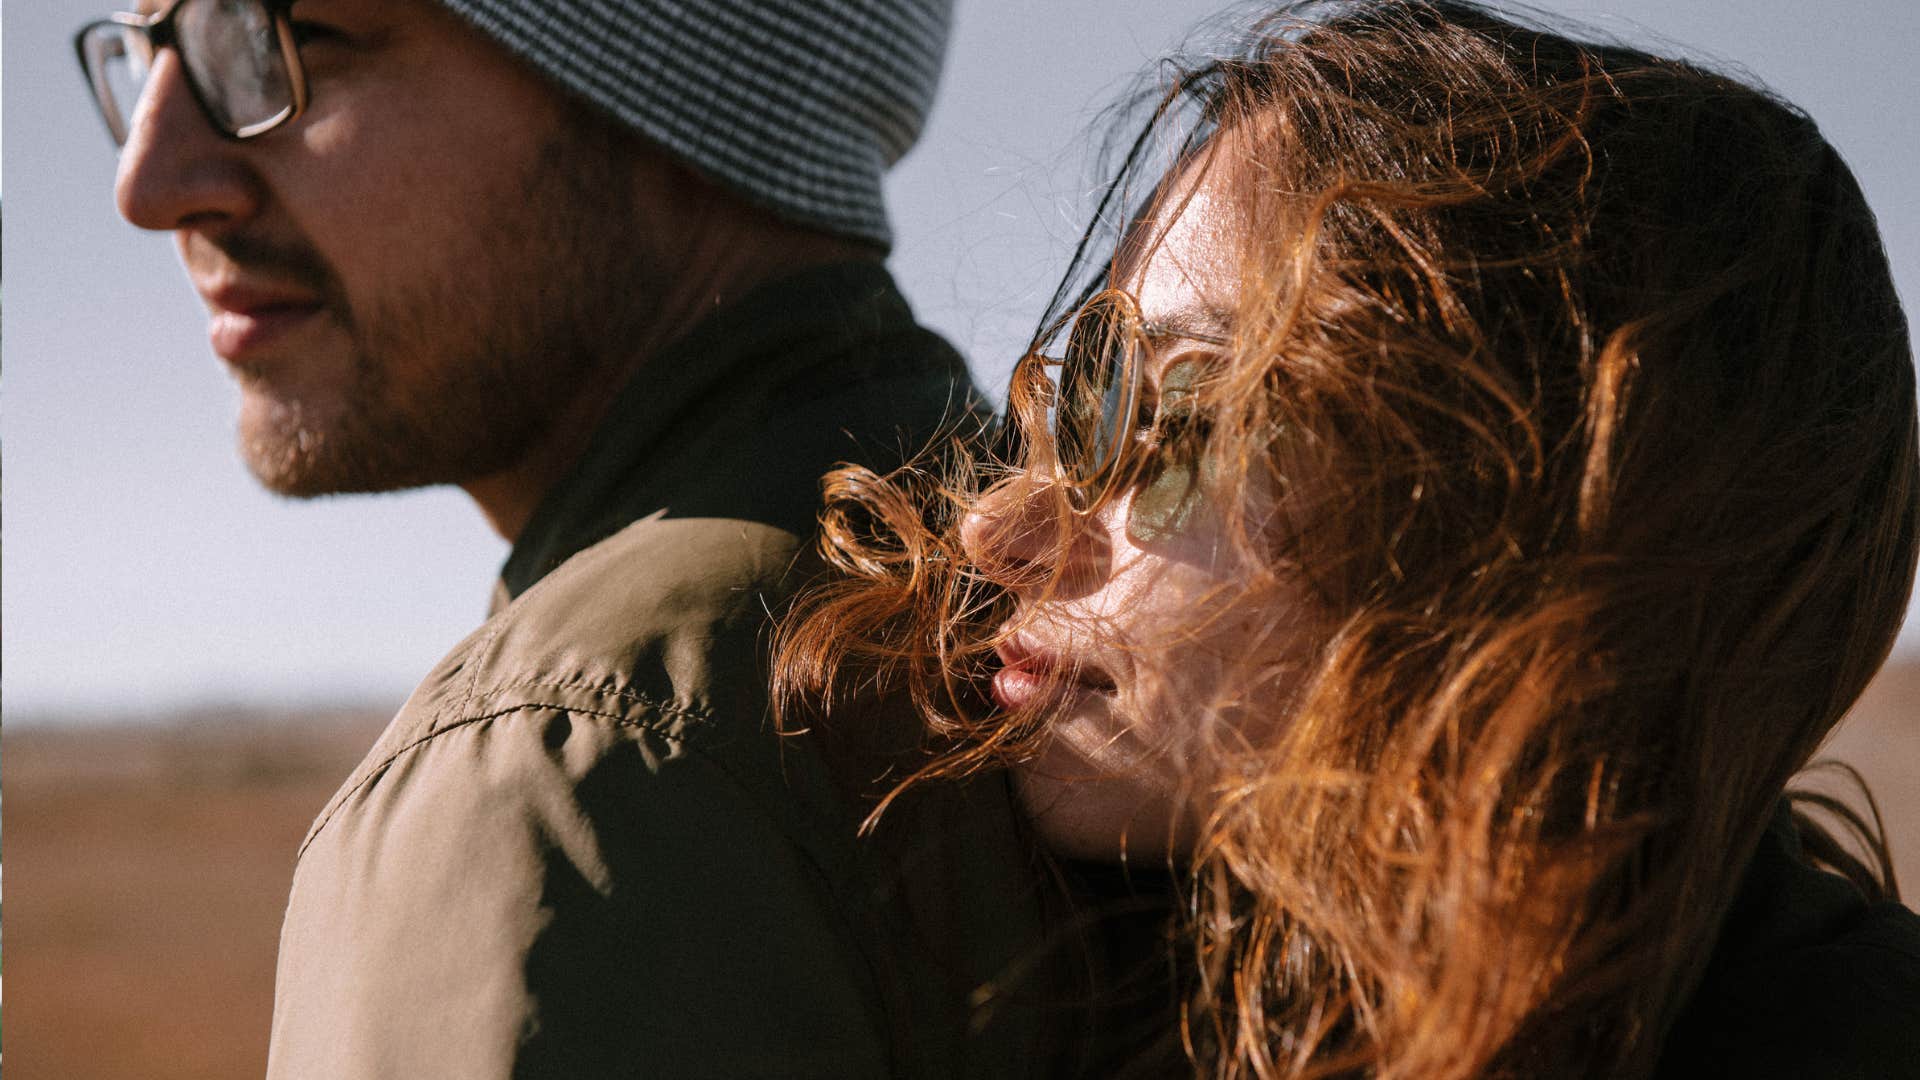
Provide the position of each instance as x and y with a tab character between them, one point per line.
176	171
1021	533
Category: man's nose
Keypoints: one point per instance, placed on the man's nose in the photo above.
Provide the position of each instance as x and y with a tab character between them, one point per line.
176	171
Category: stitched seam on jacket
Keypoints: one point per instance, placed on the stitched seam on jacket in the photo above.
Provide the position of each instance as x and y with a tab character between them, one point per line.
597	688
380	770
473	676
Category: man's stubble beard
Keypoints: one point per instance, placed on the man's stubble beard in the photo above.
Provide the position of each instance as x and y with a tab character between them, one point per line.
462	375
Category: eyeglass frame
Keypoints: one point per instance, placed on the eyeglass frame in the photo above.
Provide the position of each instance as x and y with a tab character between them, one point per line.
159	30
1091	490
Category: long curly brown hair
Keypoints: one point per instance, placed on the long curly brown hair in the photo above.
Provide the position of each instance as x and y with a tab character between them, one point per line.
1582	378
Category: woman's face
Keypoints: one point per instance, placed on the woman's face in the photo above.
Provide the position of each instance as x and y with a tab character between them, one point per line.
1131	649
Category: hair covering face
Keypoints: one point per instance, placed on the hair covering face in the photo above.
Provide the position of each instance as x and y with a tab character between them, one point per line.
798	105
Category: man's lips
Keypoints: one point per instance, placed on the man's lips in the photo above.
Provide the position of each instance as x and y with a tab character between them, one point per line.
1030	675
246	319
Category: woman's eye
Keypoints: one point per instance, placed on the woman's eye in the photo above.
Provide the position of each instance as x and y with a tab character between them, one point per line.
1178	425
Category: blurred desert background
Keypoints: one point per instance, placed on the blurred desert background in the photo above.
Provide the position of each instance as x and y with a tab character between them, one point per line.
147	865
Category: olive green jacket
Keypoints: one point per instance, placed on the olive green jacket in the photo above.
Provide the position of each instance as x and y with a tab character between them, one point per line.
580	849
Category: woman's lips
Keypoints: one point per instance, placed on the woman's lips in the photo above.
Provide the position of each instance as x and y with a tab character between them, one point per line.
1014	688
1029	677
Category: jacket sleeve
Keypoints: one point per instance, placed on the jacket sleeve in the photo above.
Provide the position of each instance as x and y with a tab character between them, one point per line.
548	892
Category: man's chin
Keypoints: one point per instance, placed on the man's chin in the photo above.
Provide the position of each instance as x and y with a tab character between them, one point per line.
291	451
285	470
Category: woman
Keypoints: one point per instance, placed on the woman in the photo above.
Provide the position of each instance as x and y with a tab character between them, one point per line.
1482	473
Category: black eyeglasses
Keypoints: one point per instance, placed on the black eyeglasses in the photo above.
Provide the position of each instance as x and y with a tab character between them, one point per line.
239	56
1093	393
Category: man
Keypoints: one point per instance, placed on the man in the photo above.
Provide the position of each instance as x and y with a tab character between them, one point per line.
615	270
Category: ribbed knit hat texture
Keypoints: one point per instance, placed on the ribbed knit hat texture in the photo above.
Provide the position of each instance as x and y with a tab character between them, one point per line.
799	105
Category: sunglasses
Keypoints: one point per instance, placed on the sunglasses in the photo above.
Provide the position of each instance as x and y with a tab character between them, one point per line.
1094	402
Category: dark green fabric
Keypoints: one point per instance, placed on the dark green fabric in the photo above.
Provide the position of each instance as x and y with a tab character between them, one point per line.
1808	981
741	417
580	850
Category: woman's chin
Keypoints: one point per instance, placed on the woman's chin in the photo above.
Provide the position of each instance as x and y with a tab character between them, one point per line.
1083	811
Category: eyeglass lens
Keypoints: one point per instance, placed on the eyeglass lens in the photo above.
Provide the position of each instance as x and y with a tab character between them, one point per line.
232	53
118	59
232	49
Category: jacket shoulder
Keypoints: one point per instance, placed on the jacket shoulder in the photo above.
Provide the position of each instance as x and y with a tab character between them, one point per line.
545	893
580	845
1809	979
667	618
669	614
1844	1009
657	631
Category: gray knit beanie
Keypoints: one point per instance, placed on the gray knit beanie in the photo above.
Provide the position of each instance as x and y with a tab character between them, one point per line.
799	105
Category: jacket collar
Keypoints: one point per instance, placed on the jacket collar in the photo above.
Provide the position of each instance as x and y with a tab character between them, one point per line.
710	425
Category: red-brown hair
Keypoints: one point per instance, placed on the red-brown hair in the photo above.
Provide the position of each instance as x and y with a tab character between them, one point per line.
1591	405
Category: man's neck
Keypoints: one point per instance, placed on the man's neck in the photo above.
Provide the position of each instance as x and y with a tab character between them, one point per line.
728	256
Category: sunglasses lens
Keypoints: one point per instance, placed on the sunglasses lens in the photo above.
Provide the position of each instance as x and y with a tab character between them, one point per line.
232	49
1094	411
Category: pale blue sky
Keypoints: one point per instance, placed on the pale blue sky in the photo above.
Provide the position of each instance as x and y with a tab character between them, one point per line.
142	568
